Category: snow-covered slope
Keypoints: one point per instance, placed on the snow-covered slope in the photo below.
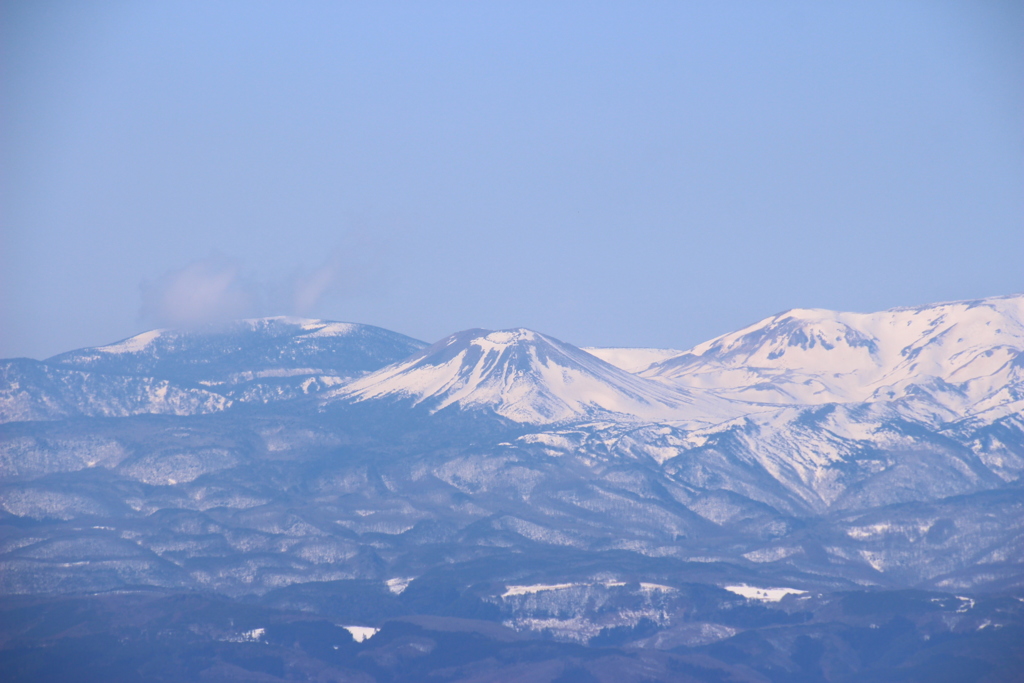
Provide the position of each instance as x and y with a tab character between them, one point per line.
248	349
949	360
31	390
188	372
874	449
256	360
522	375
631	359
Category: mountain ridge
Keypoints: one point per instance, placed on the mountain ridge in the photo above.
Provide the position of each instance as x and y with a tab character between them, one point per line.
961	355
216	352
522	442
523	375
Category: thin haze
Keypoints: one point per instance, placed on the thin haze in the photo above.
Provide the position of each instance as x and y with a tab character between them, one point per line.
647	174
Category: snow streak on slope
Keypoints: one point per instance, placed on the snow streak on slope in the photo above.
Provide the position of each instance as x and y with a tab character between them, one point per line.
949	360
843	456
522	375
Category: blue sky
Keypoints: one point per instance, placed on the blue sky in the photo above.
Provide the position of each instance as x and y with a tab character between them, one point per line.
647	174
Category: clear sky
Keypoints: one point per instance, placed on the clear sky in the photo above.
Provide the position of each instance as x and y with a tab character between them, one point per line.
644	174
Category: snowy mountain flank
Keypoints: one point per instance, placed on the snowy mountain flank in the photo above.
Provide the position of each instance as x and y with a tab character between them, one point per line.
657	500
521	375
964	358
247	350
183	372
938	363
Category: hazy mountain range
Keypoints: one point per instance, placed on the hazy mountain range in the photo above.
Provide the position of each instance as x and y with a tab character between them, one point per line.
656	503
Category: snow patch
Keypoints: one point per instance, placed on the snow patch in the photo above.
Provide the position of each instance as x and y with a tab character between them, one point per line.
763	594
253	636
361	633
536	588
399	584
657	587
132	344
329	329
770	554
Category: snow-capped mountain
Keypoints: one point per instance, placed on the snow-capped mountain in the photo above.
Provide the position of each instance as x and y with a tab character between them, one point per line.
601	496
523	376
198	371
945	361
246	350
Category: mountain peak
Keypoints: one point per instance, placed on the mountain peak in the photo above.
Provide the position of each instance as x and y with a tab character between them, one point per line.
809	356
520	374
252	345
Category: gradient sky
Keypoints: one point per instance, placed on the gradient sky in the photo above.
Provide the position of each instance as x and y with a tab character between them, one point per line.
642	174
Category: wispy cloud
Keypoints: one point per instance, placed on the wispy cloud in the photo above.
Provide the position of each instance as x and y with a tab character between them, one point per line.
353	268
218	288
204	291
309	289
